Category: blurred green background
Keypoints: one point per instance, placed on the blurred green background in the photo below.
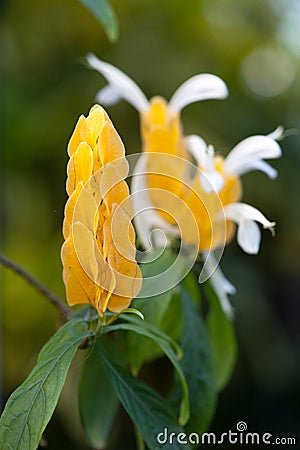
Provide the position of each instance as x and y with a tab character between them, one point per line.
255	47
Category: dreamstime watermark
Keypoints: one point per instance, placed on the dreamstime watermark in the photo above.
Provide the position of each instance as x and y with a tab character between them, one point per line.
238	437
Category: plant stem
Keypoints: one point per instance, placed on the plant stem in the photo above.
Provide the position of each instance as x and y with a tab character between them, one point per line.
64	310
140	445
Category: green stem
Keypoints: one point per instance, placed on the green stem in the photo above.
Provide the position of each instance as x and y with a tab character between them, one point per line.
140	445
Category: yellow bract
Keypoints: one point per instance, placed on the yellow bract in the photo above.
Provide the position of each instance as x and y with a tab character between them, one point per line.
175	191
98	254
206	207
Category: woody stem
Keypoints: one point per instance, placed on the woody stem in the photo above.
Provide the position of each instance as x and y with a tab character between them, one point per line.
64	310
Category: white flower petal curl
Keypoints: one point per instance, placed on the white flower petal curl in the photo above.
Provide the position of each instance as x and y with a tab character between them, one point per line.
277	134
264	167
220	284
211	180
120	85
146	218
108	96
200	87
249	155
248	237
197	147
245	216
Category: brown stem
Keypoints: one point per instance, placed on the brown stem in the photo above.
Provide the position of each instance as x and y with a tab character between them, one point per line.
54	299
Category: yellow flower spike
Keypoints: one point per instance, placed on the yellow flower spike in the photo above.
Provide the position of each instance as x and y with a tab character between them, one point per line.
162	138
204	207
92	125
161	129
98	255
80	288
121	258
76	138
79	167
109	140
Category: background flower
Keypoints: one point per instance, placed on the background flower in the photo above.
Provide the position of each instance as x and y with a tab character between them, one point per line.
198	203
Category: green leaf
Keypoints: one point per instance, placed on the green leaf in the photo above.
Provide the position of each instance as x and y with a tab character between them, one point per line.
98	403
165	343
191	285
149	330
139	348
103	11
198	367
147	409
31	405
161	310
134	311
162	271
222	339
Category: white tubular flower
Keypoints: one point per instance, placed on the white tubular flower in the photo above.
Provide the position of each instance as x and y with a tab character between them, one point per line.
220	284
120	86
197	147
220	178
246	216
200	87
146	218
249	155
211	179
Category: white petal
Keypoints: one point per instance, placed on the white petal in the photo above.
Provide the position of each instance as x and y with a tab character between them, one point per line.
264	167
146	218
248	237
277	134
211	264
120	83
108	96
221	292
197	148
245	155
220	284
242	211
248	233
200	87
257	164
211	181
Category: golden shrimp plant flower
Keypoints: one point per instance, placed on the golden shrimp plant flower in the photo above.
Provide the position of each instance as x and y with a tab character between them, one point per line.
202	205
98	254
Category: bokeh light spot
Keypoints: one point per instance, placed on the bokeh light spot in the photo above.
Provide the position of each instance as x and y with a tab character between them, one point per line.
268	71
